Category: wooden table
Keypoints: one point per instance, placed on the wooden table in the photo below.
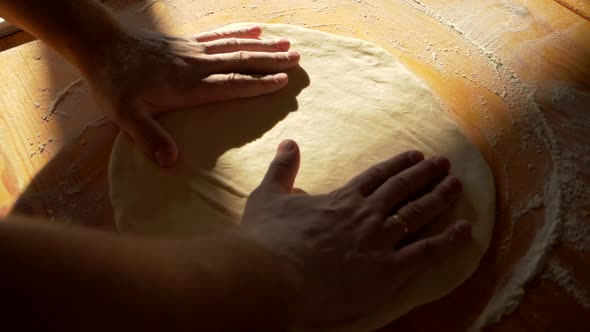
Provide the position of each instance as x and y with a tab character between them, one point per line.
515	75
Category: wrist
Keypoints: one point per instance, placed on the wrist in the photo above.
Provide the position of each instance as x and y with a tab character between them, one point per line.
232	271
279	279
94	55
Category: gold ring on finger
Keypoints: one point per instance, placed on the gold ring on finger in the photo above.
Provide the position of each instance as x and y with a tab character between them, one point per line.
395	219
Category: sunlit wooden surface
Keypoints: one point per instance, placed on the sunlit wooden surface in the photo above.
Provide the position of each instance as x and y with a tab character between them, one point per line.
488	61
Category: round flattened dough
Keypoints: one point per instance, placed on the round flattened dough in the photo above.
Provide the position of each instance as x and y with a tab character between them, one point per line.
349	106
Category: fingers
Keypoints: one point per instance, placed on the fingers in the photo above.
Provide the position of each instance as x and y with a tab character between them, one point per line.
247	32
417	214
299	191
372	178
220	87
252	62
402	186
155	142
229	45
281	174
421	255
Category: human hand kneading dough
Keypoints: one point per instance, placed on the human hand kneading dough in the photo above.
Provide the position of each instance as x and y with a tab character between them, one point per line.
149	72
296	259
135	74
341	245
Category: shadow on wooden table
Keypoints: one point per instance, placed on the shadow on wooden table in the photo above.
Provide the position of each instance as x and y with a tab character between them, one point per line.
73	186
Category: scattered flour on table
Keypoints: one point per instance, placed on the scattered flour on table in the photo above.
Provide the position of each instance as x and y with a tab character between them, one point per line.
96	123
560	196
556	272
533	203
562	94
563	195
142	7
77	87
564	198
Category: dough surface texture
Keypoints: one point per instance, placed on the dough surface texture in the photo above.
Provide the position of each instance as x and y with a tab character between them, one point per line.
349	106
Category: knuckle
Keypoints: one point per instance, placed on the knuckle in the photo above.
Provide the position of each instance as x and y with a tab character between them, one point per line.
414	210
232	42
332	212
345	194
437	197
242	56
338	209
232	79
366	212
281	163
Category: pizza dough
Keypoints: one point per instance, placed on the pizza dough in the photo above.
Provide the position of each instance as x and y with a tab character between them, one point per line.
349	106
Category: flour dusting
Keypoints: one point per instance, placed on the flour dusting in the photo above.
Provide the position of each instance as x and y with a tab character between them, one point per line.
562	276
77	87
144	6
563	197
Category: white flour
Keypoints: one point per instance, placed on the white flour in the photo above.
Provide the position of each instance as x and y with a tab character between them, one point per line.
564	198
556	272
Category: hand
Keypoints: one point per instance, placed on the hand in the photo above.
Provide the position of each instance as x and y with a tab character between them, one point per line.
148	72
341	245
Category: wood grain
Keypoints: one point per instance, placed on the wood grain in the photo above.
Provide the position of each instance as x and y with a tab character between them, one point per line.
15	40
468	52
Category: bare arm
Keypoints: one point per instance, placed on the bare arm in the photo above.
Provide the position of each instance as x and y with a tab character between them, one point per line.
80	30
136	74
74	279
55	276
296	260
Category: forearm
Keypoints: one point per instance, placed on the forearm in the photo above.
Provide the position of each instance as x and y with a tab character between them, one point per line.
80	30
71	278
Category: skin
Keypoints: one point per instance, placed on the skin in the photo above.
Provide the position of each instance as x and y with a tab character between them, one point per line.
295	260
341	244
135	74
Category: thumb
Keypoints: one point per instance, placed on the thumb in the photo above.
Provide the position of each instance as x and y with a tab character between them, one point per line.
155	142
281	174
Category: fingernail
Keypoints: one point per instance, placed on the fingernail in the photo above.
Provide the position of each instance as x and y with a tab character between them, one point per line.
441	162
287	146
281	77
282	43
162	158
452	183
462	230
415	156
293	55
254	29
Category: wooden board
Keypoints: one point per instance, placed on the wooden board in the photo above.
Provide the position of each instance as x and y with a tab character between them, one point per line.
6	28
15	39
514	74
